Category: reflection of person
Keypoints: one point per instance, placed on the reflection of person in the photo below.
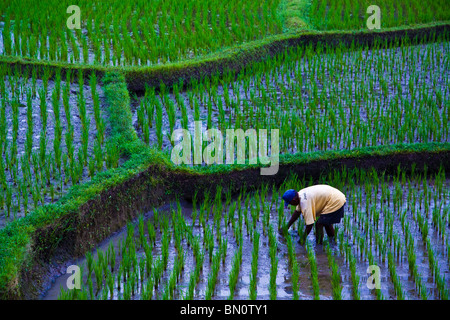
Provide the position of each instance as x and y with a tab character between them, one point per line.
320	204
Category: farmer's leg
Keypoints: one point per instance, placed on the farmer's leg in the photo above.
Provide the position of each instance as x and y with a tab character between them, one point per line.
319	233
330	232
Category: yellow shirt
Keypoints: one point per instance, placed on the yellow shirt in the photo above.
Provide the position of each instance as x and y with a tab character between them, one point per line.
319	199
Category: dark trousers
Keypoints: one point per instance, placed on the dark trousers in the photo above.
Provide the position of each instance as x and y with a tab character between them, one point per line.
326	221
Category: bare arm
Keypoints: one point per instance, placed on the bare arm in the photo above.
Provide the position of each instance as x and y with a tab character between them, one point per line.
308	229
294	218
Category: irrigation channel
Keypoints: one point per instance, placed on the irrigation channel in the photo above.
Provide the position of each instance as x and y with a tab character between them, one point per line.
227	246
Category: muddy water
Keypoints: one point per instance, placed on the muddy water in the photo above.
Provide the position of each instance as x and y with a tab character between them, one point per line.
284	275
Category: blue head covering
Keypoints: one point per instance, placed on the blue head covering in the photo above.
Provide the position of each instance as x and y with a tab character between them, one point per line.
288	196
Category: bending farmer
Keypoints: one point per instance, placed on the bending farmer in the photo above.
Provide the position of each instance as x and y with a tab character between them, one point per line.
321	204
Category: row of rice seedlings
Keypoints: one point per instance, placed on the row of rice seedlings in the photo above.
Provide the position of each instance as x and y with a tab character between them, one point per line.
135	271
99	122
199	256
335	274
136	35
295	276
412	261
351	14
372	261
214	271
273	263
131	269
395	278
326	106
194	278
43	172
254	266
439	280
353	275
171	284
422	223
129	277
313	265
238	229
234	272
266	208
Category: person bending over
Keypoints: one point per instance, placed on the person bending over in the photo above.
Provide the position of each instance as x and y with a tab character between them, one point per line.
320	204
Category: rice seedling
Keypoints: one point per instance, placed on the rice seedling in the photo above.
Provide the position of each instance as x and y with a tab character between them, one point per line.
254	266
212	278
313	266
354	276
335	274
273	262
234	273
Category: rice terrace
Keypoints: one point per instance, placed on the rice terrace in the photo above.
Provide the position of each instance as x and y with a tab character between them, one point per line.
224	150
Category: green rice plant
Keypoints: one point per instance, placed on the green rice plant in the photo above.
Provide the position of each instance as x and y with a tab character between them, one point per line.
151	231
234	273
435	270
212	278
274	263
142	239
395	279
90	288
335	274
98	271
354	276
165	247
147	292
254	265
158	124
110	283
313	265
191	287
